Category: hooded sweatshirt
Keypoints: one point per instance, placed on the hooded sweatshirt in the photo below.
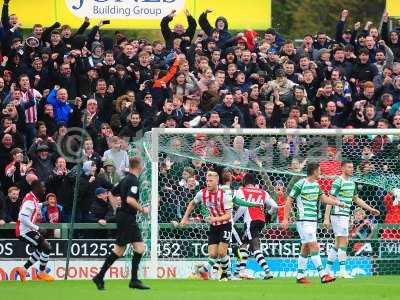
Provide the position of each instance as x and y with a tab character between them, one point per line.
224	35
94	59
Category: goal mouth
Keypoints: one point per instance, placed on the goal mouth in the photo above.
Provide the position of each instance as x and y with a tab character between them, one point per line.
176	161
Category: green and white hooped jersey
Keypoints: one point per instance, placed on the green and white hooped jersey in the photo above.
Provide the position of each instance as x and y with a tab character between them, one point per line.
344	191
306	194
227	189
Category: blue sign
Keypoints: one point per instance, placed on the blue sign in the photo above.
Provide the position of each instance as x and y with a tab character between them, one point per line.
287	267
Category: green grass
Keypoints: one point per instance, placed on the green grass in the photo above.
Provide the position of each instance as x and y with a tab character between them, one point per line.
382	287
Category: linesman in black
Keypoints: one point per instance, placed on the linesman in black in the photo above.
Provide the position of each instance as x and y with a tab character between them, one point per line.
127	229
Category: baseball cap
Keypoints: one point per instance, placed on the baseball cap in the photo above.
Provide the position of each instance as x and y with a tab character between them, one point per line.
100	190
108	162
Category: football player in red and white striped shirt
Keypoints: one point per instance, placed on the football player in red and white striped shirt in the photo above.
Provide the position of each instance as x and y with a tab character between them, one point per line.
254	219
27	231
219	205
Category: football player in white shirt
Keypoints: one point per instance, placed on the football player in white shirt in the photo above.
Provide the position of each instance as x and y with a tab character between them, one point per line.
27	231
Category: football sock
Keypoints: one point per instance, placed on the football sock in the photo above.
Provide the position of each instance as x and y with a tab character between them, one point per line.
316	259
32	260
216	266
342	259
244	253
210	263
44	258
135	265
225	264
108	263
261	260
301	266
332	254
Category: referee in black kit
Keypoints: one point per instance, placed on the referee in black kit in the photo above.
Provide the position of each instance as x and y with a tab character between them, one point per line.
127	229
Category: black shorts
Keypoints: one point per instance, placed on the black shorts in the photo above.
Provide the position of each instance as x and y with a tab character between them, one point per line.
252	231
220	234
33	238
127	229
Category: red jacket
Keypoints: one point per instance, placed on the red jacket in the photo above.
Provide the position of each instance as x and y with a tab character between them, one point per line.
392	211
392	217
328	167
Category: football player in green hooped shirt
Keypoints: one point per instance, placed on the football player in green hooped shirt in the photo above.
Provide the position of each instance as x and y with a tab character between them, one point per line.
307	192
343	189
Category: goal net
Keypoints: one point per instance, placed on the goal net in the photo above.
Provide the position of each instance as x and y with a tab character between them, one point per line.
176	161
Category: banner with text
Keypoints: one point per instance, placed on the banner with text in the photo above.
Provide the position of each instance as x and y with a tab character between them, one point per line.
196	249
141	14
80	269
83	269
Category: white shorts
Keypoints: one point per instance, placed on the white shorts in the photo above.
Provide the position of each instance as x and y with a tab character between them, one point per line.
307	231
340	225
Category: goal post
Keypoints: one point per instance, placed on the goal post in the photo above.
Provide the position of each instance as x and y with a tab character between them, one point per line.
154	204
277	157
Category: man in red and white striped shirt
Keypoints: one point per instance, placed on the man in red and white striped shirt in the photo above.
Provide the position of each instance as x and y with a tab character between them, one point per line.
28	232
30	113
254	219
219	205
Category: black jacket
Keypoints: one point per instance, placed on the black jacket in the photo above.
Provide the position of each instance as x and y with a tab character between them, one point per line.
6	27
227	114
43	167
133	133
169	35
101	210
5	159
364	72
87	191
2	207
68	83
63	187
123	84
105	106
124	60
12	210
50	123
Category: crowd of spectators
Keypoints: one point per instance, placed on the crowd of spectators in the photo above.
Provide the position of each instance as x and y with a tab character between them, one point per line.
202	75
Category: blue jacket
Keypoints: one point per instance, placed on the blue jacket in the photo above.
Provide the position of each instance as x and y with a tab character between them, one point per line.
45	213
62	110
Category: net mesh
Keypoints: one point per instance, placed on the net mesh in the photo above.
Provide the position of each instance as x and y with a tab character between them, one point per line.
278	162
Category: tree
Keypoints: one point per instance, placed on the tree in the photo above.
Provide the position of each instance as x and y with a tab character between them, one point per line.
309	17
282	15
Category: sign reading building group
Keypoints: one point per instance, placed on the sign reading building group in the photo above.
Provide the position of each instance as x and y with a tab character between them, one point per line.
141	14
124	9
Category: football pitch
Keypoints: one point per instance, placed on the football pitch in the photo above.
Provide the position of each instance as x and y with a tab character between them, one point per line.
363	288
